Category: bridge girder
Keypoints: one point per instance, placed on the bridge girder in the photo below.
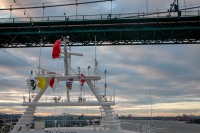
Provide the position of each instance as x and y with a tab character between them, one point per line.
143	31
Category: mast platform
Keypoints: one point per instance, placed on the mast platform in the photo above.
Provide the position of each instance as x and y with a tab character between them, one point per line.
111	103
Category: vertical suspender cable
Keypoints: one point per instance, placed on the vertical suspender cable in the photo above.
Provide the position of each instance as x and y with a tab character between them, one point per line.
185	6
147	7
111	7
76	8
10	12
43	12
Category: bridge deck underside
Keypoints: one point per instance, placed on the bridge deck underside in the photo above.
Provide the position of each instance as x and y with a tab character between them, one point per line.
177	30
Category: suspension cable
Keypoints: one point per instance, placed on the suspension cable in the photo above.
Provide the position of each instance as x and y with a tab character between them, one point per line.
18	58
48	6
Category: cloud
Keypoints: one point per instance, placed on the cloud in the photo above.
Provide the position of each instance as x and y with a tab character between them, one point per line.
171	72
131	71
116	7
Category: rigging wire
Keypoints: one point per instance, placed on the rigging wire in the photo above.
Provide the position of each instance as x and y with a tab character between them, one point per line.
48	6
20	6
47	3
27	14
18	58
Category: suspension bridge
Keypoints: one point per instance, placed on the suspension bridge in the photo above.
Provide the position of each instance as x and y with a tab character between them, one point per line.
174	26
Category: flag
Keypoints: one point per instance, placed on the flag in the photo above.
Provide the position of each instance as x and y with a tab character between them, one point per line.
41	83
69	83
31	83
56	49
53	82
82	80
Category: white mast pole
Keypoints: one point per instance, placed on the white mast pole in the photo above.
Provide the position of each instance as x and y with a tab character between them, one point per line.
95	58
95	47
69	61
66	41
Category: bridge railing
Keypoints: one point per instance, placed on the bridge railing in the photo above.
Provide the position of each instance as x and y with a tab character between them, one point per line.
138	15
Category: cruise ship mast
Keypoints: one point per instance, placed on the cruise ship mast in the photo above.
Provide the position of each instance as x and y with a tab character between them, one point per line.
66	41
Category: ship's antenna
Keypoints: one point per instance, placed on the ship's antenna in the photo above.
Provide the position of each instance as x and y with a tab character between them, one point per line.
105	83
95	59
150	101
95	52
40	55
79	73
29	94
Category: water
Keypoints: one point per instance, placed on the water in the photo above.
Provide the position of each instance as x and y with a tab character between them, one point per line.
168	126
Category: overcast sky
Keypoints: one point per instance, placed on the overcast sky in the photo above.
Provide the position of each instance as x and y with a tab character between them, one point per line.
171	72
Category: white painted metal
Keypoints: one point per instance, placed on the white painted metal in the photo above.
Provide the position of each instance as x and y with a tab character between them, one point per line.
69	104
109	123
25	124
75	77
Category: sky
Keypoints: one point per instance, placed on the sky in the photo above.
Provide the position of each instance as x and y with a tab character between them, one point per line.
163	78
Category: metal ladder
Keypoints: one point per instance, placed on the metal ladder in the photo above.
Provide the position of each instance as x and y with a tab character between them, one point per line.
109	120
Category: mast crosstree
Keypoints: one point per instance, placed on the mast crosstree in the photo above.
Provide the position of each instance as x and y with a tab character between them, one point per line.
109	120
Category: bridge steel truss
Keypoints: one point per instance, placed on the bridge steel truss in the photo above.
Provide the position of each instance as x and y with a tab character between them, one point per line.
111	31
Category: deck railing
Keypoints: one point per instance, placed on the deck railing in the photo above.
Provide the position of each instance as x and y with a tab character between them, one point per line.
73	72
138	127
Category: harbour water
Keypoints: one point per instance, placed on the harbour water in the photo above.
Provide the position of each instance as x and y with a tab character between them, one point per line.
169	126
